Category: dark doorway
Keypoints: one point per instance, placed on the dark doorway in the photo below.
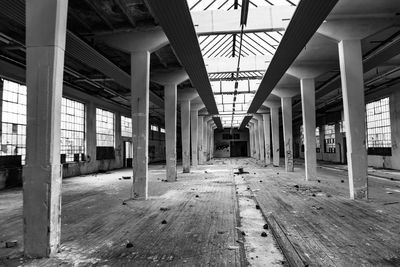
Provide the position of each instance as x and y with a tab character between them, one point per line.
238	148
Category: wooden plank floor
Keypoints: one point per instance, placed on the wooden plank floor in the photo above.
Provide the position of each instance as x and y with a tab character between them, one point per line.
324	226
201	214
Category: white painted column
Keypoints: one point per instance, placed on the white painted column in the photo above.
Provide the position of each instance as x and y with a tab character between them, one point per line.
140	80
200	140
251	139
287	132
257	139
205	139
275	135
351	70
185	133
194	136
170	98
91	141
261	138
309	125
46	22
267	138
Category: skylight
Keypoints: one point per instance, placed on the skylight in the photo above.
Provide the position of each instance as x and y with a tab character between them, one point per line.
227	46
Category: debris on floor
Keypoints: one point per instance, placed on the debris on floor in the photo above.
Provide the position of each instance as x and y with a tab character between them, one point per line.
129	245
126	177
164	209
264	234
164	222
11	244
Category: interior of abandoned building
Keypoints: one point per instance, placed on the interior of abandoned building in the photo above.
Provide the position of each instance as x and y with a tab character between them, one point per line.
200	133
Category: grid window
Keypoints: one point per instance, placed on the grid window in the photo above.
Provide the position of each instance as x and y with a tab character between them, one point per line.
317	140
329	139
378	124
13	135
162	130
126	126
72	129
104	128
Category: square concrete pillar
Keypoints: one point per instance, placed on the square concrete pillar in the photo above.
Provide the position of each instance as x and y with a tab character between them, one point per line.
194	136
309	125
287	132
140	79
185	134
200	140
170	95
351	71
275	135
46	22
267	137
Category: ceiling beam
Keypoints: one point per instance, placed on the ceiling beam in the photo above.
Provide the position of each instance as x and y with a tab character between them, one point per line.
100	13
125	10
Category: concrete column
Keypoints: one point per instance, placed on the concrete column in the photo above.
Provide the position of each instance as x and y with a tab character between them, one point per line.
275	135
337	142
351	70
185	128
208	140
261	137
257	139
200	140
205	140
309	125
46	23
251	139
118	141
194	136
1	106
267	138
170	95
140	73
91	141
287	132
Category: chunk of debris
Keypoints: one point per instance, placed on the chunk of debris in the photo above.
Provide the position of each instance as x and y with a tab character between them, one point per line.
197	196
164	209
243	233
260	181
264	234
11	244
126	177
318	181
163	222
257	207
313	195
296	186
277	173
123	203
206	171
342	181
233	247
129	245
119	178
266	226
328	195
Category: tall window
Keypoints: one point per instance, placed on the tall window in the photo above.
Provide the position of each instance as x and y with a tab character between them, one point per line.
378	126
126	126
317	140
162	130
72	129
329	139
13	134
104	128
